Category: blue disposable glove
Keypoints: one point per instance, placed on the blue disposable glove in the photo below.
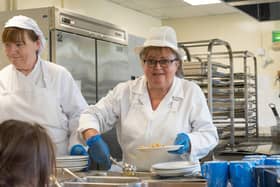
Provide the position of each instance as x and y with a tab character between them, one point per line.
182	139
99	151
78	150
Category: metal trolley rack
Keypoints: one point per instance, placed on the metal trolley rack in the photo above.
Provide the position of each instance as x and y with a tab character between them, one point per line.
207	66
245	92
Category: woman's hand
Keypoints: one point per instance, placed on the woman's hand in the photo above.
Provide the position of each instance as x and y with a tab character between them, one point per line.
99	151
182	139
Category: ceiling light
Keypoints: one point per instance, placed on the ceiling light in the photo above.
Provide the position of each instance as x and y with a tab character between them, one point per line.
202	2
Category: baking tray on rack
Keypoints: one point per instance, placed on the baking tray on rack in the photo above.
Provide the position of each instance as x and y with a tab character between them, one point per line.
219	91
220	99
220	75
219	113
221	109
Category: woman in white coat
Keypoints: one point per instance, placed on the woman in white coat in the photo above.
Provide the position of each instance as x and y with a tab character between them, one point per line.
35	90
158	107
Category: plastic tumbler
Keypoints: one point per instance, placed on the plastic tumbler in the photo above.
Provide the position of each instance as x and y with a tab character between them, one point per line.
216	173
242	174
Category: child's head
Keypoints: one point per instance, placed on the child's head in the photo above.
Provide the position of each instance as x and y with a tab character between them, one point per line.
26	154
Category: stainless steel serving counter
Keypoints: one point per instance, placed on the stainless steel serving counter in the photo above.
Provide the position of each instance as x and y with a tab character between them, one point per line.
141	179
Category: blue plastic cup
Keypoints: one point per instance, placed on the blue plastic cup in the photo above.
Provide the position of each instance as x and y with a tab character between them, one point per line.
272	161
257	161
255	156
242	173
216	173
259	175
274	156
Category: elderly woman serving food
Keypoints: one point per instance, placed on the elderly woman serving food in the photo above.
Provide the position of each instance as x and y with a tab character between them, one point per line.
156	108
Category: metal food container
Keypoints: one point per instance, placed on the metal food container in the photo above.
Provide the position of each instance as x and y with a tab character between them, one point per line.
118	181
105	181
275	134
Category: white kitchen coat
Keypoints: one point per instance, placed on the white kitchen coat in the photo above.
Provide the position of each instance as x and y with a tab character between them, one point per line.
183	109
48	96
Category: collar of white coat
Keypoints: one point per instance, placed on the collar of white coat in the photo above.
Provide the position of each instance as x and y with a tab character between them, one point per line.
44	69
176	90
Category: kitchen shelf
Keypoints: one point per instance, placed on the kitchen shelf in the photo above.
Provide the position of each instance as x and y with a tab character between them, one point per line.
231	95
210	64
245	91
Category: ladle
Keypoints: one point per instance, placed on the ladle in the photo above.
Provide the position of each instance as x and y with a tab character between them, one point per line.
74	175
276	115
54	179
128	169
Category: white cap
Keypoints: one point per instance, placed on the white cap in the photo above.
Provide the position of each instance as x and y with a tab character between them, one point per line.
24	22
160	37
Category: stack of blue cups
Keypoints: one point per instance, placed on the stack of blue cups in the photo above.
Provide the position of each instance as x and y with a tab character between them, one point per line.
270	163
242	173
272	160
248	172
267	164
258	162
216	173
257	159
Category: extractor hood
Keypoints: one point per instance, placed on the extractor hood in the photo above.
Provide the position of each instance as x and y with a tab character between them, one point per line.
262	10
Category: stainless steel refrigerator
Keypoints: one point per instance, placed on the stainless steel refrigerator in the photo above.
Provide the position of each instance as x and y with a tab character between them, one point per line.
95	52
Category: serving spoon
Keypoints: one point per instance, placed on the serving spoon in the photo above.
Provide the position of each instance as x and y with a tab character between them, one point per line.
74	175
54	179
128	169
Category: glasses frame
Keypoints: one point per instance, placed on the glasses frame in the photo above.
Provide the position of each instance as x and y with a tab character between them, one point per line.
164	63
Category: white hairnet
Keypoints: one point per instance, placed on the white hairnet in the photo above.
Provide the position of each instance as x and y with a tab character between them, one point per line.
24	22
163	36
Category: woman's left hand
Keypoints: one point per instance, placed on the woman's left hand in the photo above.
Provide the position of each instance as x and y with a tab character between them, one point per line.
182	139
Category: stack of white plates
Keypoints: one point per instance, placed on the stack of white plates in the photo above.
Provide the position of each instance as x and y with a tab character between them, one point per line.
74	163
179	168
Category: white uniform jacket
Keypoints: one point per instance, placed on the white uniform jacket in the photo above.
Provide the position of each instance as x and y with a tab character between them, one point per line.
183	109
48	96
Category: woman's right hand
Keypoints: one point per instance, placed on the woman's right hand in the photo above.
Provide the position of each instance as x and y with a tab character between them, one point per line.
78	150
99	151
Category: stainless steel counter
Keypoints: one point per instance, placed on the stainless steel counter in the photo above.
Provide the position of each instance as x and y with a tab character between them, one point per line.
141	179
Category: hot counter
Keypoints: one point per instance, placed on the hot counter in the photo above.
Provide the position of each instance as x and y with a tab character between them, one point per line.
141	179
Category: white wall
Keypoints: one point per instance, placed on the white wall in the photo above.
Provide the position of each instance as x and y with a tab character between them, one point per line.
4	5
243	33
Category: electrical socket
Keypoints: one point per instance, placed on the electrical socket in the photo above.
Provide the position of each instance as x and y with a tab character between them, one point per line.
261	52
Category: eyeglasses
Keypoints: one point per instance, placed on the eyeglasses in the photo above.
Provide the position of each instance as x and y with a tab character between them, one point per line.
163	62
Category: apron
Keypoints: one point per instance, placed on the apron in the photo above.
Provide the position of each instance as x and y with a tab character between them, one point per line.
143	127
23	100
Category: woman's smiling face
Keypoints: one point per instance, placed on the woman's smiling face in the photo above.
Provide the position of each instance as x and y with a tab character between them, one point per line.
160	66
21	50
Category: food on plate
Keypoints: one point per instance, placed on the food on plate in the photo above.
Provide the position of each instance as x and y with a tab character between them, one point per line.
154	145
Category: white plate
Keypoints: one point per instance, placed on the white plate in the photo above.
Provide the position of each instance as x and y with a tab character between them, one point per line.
176	172
175	165
71	164
163	148
70	158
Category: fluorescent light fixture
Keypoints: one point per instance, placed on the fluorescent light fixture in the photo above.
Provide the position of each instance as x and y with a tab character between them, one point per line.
202	2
